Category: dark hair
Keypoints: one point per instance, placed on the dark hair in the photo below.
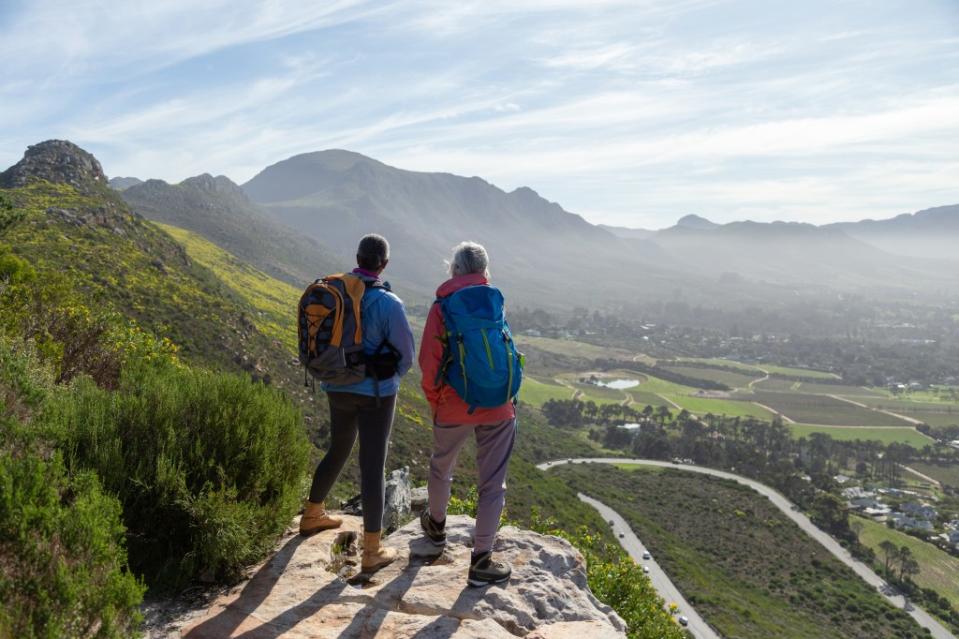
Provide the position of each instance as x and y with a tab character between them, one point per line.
373	252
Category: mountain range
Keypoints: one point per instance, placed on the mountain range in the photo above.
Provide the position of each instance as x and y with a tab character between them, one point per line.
302	216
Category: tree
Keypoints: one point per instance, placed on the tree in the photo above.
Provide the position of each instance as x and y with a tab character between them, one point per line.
907	563
890	554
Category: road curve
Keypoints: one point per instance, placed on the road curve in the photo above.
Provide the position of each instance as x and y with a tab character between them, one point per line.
661	582
924	619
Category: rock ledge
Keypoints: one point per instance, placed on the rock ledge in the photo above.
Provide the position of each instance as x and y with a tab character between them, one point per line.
306	590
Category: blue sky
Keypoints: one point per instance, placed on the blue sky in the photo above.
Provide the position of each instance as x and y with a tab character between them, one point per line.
631	113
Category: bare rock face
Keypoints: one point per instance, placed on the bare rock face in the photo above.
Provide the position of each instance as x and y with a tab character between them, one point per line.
57	161
309	589
398	498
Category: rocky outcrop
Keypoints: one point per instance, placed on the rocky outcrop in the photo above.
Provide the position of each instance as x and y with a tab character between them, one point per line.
55	161
398	499
309	589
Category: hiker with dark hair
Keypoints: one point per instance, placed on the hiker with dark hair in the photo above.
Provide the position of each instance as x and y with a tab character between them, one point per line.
471	375
355	338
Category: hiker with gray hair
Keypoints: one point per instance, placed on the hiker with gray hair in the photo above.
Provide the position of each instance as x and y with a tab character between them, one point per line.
362	401
471	376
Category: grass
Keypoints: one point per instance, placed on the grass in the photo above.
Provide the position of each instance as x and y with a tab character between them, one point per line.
642	398
937	569
884	434
820	409
748	570
273	300
538	393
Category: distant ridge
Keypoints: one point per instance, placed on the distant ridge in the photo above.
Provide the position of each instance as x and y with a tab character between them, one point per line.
219	210
123	183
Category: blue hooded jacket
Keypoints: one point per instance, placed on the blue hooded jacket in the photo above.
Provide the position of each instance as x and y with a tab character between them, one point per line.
384	317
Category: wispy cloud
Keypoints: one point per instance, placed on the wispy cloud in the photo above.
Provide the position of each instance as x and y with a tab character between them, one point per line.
630	111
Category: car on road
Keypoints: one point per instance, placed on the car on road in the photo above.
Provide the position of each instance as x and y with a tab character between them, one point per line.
611	523
621	535
646	555
683	620
646	569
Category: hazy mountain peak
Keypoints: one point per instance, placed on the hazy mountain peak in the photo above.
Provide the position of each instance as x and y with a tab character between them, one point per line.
219	184
123	183
693	221
55	161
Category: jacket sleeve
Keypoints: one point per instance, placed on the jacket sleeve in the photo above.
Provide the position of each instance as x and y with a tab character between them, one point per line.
431	355
401	336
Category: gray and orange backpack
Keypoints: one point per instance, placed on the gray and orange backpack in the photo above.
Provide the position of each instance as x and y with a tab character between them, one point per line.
330	331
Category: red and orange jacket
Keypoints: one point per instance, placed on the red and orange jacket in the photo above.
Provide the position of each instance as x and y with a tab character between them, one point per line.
448	408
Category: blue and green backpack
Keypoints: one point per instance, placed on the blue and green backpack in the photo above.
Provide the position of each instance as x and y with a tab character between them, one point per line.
480	361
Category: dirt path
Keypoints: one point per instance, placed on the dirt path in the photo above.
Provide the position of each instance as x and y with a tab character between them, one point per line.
759	380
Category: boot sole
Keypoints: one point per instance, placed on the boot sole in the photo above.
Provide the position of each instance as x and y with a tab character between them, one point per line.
479	583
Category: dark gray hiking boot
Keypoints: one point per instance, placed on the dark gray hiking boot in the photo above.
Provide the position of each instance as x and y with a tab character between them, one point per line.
435	532
484	571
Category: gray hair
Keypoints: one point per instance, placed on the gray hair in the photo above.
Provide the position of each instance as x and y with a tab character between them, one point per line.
468	258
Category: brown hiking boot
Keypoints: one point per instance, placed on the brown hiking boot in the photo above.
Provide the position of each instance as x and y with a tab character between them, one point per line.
375	556
315	518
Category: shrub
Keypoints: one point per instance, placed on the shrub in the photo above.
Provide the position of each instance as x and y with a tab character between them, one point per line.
208	466
64	565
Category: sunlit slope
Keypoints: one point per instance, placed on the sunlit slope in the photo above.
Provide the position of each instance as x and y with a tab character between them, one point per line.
273	300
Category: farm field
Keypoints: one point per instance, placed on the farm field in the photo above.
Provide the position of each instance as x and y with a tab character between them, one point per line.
571	348
645	398
820	409
883	434
748	570
797	372
946	474
786	385
733	380
937	569
747	369
776	384
728	407
932	413
538	393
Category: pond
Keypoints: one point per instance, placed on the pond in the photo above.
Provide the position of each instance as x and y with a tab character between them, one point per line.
618	384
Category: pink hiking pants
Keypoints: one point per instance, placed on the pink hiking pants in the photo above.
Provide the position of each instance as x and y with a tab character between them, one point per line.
494	445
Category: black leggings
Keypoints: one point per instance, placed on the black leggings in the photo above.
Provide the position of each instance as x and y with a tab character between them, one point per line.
350	413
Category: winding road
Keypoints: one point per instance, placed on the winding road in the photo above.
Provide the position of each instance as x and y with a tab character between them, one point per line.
924	619
661	581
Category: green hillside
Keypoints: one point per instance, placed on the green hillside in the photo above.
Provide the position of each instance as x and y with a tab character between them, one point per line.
156	370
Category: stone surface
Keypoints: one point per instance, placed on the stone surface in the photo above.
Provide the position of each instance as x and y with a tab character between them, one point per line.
55	161
298	593
419	499
398	497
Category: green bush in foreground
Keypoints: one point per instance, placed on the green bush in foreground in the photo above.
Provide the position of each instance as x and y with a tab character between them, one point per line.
208	466
64	565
